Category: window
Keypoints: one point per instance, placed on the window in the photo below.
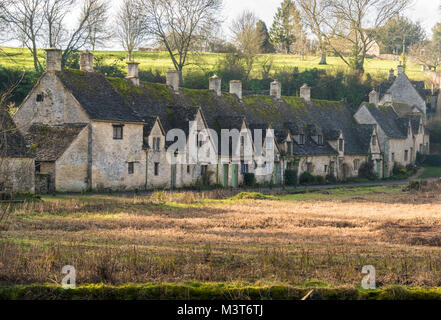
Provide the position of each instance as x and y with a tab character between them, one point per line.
301	139
188	170
37	166
242	141
204	170
340	144
421	148
290	148
393	157
40	97
131	167
320	140
156	168
117	132
243	167
326	168
267	168
356	164
406	155
309	167
156	144
374	140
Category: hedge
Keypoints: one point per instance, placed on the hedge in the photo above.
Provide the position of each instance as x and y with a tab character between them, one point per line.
209	291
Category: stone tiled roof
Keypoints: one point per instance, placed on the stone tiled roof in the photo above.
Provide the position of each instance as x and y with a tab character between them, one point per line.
49	143
420	86
97	96
388	120
12	143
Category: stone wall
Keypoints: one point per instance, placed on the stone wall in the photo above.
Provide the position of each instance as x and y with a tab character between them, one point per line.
110	157
58	105
72	167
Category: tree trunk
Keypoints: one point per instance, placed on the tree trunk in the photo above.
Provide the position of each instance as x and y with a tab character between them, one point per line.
323	59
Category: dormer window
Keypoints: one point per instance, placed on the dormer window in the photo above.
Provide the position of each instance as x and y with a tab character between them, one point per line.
340	145
302	139
289	147
374	140
320	140
40	97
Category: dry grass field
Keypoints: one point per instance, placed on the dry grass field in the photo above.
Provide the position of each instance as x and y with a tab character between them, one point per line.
320	238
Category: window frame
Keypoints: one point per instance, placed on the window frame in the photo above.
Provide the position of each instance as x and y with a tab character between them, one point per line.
115	131
156	169
131	167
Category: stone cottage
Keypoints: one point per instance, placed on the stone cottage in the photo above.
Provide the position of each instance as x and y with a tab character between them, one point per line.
16	159
92	132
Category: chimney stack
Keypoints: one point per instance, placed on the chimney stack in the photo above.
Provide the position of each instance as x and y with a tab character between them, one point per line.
276	90
215	85
305	92
53	60
400	69
374	97
86	61
387	99
133	72
173	79
391	74
236	88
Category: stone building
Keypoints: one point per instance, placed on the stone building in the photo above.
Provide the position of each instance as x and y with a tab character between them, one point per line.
406	96
16	159
91	132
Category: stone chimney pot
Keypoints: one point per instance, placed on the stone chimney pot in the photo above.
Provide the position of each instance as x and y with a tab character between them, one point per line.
53	59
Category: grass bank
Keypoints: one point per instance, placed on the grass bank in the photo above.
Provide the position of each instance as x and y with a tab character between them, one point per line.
210	291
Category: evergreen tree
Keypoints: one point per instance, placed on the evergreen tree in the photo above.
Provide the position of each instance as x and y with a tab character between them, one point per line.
267	46
287	26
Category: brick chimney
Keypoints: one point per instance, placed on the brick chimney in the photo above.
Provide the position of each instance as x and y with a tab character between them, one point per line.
53	60
388	99
86	61
305	92
236	88
173	79
276	89
374	97
215	85
133	72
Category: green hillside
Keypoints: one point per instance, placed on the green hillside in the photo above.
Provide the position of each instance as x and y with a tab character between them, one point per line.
21	58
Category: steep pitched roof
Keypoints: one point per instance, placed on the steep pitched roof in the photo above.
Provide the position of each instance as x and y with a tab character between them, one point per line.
388	120
12	143
49	143
365	135
97	96
419	86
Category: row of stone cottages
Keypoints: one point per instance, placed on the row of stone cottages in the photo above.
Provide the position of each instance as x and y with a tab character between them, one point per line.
88	132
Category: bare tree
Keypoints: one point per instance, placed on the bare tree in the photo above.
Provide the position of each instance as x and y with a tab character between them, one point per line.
176	23
24	18
356	21
247	38
54	13
92	14
315	15
98	30
130	26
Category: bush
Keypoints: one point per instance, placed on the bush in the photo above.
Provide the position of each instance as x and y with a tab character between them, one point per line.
291	177
306	178
331	179
366	171
249	179
398	170
319	180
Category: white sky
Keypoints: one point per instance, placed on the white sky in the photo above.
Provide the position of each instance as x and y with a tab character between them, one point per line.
424	11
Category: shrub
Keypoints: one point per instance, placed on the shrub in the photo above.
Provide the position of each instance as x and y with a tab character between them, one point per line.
319	180
249	179
291	177
331	179
366	171
306	178
398	170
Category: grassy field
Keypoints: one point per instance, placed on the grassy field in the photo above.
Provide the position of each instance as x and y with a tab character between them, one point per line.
431	172
320	238
21	58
